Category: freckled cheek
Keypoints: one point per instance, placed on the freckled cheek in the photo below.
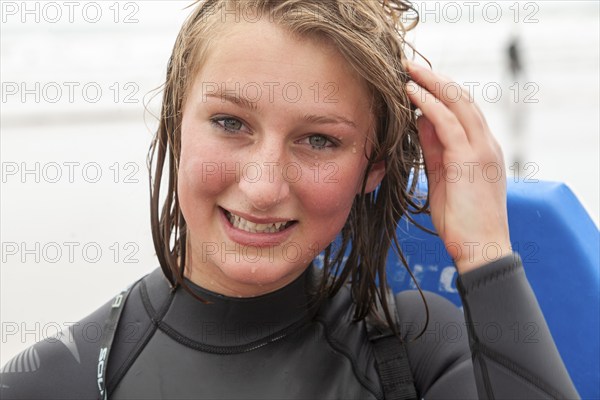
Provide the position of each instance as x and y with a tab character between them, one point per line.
204	170
325	210
200	183
330	194
199	179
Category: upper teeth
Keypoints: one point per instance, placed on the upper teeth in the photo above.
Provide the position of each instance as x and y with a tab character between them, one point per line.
248	226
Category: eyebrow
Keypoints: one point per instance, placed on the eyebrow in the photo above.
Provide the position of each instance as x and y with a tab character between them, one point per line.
329	119
234	98
252	105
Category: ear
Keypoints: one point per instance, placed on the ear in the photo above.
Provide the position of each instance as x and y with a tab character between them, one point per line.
376	174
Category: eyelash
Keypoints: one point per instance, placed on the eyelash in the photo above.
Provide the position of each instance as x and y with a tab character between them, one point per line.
331	144
218	122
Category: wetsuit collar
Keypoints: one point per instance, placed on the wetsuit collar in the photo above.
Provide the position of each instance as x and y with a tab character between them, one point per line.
229	321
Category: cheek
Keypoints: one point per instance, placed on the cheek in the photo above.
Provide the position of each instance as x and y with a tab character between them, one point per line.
329	192
340	181
199	177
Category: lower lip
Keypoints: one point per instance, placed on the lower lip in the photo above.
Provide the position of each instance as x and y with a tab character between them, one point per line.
255	239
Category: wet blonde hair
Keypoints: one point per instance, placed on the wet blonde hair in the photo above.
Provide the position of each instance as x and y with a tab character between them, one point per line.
370	36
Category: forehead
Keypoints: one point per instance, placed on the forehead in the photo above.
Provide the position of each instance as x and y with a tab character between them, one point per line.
262	56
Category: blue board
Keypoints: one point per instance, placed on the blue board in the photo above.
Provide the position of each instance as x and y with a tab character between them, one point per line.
560	248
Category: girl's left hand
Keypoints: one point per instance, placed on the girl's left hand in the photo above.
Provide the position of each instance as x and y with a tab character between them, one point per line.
465	170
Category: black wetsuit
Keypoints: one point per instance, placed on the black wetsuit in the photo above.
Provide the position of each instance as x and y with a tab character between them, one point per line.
171	346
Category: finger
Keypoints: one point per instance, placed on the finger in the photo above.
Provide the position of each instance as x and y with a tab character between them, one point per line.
432	150
432	147
445	89
453	96
447	127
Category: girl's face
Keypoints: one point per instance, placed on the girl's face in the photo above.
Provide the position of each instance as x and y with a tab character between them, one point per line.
274	139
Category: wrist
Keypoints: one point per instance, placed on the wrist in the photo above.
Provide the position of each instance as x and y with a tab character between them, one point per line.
474	257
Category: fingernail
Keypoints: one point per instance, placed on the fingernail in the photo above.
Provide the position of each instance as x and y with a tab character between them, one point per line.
411	64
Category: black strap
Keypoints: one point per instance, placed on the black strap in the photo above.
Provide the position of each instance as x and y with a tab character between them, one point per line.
106	340
390	355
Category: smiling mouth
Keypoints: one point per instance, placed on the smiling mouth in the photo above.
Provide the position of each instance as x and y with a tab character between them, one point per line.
252	227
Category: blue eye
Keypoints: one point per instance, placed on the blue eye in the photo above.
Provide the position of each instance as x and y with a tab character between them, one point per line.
320	142
228	124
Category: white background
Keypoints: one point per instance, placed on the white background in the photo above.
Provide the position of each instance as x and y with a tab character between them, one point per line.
125	52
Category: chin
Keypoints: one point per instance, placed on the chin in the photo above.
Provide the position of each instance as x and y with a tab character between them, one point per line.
260	277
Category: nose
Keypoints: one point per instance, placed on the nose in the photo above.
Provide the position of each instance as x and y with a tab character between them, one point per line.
262	181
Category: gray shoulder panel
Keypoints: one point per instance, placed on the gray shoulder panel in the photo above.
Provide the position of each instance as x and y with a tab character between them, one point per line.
60	367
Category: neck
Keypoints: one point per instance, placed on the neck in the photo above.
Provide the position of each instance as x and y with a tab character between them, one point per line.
232	321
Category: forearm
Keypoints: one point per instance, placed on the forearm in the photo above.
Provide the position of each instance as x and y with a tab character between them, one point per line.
514	355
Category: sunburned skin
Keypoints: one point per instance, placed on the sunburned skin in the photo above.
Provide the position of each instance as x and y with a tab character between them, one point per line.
273	153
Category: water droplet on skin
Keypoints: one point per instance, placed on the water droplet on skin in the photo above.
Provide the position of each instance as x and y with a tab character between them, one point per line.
354	150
